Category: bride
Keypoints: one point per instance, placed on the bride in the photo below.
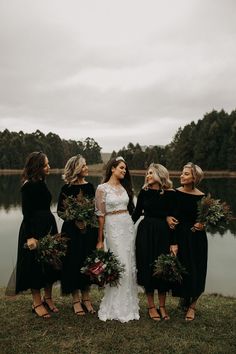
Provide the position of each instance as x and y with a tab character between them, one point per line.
114	203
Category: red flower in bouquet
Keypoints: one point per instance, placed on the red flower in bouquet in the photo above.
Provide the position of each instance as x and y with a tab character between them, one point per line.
103	267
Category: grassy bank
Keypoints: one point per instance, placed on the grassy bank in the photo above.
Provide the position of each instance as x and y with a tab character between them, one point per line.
213	330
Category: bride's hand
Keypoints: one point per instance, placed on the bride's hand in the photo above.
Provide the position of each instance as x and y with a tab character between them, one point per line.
100	245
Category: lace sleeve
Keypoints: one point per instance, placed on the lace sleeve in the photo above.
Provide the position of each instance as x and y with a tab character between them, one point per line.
100	203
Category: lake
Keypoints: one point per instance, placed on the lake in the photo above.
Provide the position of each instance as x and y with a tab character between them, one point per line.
221	260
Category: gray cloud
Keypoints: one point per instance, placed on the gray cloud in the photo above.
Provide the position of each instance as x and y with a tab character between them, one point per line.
115	71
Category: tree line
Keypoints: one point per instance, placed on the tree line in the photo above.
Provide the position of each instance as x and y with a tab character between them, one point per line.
209	143
14	147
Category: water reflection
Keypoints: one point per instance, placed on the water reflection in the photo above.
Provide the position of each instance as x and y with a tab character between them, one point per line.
220	188
221	260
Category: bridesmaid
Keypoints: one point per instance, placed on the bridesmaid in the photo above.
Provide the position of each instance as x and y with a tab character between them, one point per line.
82	242
192	245
154	237
38	221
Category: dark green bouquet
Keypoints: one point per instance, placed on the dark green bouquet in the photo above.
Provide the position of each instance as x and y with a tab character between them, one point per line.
168	268
214	214
51	249
80	209
103	267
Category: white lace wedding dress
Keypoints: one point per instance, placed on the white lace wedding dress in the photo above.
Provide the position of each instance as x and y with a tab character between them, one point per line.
119	303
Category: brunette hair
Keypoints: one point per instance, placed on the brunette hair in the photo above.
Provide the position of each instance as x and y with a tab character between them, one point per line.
34	165
126	182
73	168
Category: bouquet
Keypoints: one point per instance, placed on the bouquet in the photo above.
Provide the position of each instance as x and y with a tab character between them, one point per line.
213	213
168	268
103	267
51	249
80	209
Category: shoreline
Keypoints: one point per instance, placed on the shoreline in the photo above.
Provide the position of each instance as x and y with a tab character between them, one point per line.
97	170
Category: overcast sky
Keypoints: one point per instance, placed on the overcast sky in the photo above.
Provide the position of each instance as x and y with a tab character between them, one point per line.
118	71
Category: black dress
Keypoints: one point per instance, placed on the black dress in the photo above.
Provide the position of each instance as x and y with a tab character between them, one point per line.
81	244
192	251
154	236
38	221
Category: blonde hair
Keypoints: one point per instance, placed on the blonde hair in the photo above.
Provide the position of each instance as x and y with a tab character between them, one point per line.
197	172
73	168
161	176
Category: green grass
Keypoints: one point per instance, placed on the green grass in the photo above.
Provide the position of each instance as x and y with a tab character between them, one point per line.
213	330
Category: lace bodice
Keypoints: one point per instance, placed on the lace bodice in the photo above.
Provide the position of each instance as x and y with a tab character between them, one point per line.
109	198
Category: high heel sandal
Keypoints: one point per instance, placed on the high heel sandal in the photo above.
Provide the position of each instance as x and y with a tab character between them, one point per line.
80	312
91	310
44	315
166	317
53	309
190	318
154	318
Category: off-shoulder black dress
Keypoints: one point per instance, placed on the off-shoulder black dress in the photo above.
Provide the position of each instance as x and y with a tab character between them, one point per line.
38	221
154	236
192	251
80	245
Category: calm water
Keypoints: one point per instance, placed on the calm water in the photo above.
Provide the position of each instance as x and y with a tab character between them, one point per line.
221	261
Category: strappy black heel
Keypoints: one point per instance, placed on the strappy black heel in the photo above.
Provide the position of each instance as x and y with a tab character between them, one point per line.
53	309
190	318
154	318
80	312
91	310
44	315
166	317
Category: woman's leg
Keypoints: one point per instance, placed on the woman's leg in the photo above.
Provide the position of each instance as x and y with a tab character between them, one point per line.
86	302
162	306
190	314
38	306
152	311
48	299
78	310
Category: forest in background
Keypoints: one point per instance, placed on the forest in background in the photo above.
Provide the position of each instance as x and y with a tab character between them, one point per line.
210	143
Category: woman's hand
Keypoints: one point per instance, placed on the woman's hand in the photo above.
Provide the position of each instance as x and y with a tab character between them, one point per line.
32	243
100	245
172	222
174	249
198	226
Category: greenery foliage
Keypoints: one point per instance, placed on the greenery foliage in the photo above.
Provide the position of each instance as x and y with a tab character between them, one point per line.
14	147
169	269
210	143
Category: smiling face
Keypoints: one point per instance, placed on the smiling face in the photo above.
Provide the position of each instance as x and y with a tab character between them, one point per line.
151	178
186	176
119	171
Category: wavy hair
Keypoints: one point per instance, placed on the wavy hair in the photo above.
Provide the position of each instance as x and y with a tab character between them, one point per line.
73	169
161	176
197	172
34	165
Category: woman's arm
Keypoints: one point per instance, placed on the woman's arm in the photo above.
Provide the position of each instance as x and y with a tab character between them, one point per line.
101	222
138	211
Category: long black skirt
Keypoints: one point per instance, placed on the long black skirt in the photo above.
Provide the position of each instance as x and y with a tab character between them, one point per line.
153	239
